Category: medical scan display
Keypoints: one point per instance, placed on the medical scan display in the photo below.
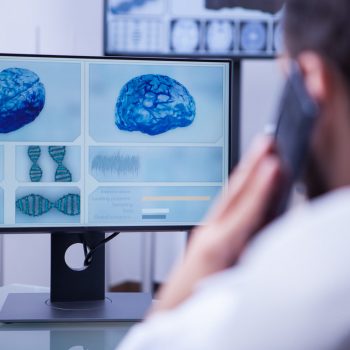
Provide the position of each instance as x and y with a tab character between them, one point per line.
111	142
196	27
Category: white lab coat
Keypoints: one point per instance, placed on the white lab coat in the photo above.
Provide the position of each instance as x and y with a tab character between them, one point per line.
289	291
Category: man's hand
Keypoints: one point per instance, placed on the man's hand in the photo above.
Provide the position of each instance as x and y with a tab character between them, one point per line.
239	213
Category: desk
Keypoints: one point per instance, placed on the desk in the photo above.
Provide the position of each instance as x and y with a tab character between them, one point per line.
58	336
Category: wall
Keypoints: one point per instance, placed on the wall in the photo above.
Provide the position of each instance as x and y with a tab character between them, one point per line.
72	27
75	27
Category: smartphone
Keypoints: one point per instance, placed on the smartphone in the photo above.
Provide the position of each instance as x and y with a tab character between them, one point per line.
293	127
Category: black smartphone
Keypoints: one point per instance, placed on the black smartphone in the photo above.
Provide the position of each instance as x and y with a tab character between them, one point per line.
293	128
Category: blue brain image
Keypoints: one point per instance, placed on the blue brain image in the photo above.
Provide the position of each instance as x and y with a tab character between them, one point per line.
22	97
154	104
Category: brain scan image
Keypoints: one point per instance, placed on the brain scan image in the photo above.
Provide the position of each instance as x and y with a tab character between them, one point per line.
253	36
22	98
220	35
278	37
154	104
185	35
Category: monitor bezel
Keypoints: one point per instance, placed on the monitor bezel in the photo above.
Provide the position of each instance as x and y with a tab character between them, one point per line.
233	137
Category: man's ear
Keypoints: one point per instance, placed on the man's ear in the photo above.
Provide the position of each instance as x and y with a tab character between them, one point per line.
316	75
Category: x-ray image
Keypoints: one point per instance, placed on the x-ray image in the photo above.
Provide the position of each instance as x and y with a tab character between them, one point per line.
278	37
220	35
253	36
185	35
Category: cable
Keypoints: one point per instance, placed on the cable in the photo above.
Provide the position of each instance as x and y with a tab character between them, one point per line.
89	254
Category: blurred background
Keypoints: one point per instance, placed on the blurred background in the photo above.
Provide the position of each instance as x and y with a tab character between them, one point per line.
248	30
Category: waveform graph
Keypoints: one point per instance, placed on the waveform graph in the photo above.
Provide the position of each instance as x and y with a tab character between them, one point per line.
48	205
156	164
114	164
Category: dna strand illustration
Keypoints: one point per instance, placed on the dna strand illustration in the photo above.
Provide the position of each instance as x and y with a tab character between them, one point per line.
35	172
57	153
37	205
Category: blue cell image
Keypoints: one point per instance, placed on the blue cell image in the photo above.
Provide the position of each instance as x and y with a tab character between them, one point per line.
154	104
22	98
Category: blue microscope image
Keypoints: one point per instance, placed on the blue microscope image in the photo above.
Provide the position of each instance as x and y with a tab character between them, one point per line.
22	98
154	104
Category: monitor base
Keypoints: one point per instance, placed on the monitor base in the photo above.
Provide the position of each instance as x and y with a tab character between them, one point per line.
37	307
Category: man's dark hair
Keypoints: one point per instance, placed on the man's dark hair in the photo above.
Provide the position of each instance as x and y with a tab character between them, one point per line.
322	26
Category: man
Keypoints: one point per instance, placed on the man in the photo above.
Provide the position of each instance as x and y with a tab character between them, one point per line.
286	285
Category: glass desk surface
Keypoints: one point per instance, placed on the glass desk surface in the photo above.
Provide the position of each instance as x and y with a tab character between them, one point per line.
59	336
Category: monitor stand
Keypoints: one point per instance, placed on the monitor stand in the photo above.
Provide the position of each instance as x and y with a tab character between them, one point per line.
75	295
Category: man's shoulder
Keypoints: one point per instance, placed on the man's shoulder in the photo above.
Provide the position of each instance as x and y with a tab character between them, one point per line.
329	208
326	216
313	238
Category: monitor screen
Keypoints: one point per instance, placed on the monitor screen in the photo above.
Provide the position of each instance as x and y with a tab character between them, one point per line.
112	143
196	27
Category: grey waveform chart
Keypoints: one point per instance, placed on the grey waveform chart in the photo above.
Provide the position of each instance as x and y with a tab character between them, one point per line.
115	165
156	164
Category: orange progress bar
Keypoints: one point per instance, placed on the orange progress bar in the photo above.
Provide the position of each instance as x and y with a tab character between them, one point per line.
176	198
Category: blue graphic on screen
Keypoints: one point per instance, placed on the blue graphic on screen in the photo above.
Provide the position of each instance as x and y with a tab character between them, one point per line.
62	174
40	101
117	143
47	163
154	104
35	172
37	205
126	6
48	205
22	98
203	83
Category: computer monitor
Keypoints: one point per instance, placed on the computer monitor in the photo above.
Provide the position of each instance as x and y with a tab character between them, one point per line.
91	145
241	29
